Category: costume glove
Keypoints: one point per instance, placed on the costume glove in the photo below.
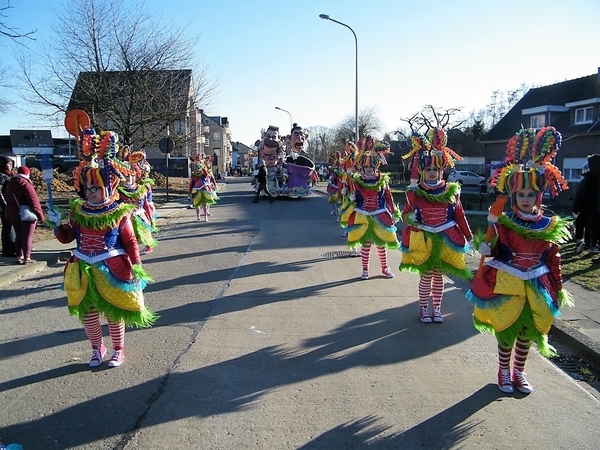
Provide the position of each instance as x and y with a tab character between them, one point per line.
54	217
485	249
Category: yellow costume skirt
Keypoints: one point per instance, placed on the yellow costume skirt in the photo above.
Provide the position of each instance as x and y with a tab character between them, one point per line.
91	285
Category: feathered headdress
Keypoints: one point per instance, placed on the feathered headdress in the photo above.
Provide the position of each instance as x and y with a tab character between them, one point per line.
99	165
430	151
348	158
528	164
371	153
197	164
139	163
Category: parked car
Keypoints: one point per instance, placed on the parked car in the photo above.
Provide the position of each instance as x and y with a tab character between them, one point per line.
465	177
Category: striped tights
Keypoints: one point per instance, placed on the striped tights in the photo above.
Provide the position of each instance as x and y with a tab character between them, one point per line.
521	347
431	283
365	254
93	330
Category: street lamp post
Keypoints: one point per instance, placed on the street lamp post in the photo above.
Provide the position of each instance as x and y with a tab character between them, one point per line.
291	120
326	17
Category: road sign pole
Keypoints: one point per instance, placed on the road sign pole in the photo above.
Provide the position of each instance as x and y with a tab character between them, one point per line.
167	159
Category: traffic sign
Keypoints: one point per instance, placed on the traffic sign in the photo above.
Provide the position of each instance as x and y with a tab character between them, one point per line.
166	145
76	120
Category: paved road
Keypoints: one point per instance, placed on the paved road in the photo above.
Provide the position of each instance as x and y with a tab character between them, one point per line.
269	339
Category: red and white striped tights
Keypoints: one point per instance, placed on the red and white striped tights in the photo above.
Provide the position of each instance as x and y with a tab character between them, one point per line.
431	284
521	347
365	254
93	329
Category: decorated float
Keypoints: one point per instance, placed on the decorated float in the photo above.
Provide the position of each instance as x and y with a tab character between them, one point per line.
288	166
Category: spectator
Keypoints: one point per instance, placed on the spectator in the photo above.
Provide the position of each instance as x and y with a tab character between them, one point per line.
586	195
20	191
261	178
6	173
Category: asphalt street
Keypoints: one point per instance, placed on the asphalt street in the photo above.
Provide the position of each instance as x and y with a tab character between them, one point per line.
268	339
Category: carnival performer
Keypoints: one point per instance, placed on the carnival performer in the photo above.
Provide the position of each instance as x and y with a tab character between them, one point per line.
347	166
143	169
104	276
518	293
371	215
437	235
202	187
334	174
139	194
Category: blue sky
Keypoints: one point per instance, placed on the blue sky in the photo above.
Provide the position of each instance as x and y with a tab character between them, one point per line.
268	53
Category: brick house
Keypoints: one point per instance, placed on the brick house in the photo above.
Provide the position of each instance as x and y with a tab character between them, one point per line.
572	107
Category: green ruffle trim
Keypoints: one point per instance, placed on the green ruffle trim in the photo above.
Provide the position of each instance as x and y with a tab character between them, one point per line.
449	195
565	298
524	328
384	179
140	274
134	195
140	319
99	221
557	232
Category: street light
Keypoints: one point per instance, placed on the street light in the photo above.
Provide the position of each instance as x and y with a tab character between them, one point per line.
326	17
291	121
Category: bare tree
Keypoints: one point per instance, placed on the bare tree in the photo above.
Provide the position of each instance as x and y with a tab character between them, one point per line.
432	117
129	70
4	104
9	31
480	121
319	143
368	124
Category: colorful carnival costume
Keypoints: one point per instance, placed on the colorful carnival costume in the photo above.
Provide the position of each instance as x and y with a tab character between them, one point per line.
104	275
437	236
334	175
518	293
139	194
370	215
202	187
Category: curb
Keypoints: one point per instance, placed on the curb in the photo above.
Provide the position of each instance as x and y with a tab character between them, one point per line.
587	348
20	271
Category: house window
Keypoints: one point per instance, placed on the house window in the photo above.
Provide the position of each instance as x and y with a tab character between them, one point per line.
572	169
216	136
179	127
584	115
572	174
537	121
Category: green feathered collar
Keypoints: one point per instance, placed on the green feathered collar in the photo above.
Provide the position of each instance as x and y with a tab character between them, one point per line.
99	219
448	194
384	179
139	192
556	231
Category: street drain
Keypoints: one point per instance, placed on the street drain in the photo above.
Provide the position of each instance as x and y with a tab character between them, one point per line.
338	254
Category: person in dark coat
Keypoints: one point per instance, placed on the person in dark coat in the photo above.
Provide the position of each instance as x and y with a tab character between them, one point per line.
586	207
261	178
20	191
588	186
6	173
